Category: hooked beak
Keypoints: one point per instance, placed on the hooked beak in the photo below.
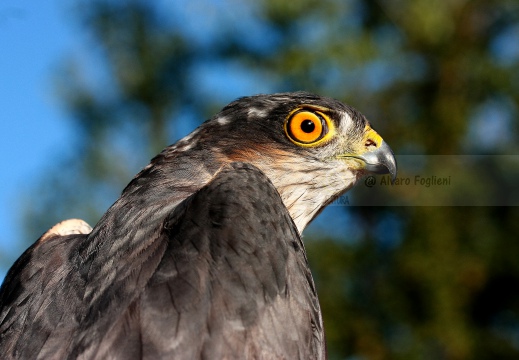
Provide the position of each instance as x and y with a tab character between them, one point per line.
376	155
380	161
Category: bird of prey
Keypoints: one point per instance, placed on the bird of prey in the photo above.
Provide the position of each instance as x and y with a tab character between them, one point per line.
201	257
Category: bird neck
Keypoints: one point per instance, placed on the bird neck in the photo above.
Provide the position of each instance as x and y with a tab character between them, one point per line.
306	192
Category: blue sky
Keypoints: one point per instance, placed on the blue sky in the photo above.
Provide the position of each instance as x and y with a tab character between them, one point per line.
34	36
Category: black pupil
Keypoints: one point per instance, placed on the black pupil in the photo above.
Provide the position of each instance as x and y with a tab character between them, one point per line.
307	126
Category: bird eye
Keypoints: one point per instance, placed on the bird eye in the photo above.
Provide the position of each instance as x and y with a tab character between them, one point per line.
306	127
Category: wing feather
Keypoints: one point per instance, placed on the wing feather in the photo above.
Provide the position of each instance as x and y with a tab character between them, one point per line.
236	276
222	275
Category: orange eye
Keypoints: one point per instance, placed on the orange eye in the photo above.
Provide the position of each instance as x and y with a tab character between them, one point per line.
305	127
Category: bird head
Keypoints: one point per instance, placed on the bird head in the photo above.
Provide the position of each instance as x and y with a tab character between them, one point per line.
312	148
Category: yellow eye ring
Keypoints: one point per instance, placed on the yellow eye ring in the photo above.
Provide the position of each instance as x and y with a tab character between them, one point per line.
307	128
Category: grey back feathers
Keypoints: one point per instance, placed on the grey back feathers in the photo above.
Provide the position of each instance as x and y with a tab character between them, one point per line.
209	286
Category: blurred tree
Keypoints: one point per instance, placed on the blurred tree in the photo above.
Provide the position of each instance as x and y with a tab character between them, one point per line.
411	282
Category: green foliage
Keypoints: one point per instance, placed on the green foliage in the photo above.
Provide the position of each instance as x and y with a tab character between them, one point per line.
449	291
445	284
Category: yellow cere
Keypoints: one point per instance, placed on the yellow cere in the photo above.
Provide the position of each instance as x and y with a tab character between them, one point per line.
372	135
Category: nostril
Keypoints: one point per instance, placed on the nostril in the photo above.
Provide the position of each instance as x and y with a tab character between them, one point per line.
370	143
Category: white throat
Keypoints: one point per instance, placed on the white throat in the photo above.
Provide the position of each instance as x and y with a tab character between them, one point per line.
304	193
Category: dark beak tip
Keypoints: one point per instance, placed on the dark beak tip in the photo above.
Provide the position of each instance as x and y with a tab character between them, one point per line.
393	177
389	161
392	169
